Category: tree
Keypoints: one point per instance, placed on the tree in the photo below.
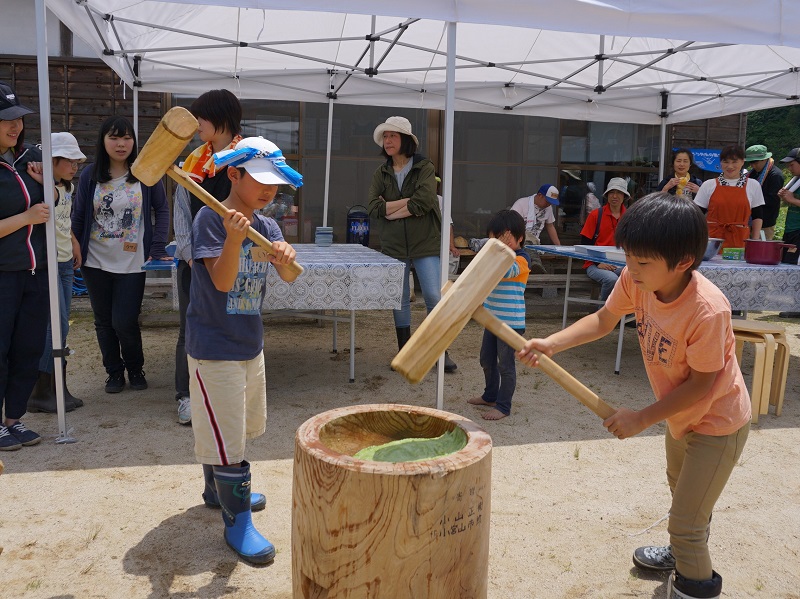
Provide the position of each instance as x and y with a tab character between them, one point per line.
776	128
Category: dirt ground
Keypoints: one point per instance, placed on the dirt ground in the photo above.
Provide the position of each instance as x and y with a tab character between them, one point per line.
119	513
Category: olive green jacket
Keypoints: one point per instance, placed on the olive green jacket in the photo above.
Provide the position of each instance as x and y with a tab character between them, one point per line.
416	236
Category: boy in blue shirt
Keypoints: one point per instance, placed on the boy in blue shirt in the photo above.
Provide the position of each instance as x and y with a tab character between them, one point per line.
225	334
507	302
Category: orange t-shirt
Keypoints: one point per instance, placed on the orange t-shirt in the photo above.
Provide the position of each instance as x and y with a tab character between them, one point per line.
694	331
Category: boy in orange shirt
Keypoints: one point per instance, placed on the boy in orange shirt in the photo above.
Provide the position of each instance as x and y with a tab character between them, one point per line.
685	333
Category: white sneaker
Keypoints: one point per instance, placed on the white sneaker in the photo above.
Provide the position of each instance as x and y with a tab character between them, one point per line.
184	411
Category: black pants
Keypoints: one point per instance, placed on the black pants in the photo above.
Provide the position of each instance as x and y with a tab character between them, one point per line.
791	237
24	314
117	302
181	364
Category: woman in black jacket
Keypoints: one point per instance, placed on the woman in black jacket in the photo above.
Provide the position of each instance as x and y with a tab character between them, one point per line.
682	182
23	270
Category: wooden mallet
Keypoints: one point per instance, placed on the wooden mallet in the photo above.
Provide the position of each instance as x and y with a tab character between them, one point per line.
464	301
158	156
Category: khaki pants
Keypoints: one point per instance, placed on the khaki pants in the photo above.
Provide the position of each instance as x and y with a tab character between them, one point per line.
698	467
229	405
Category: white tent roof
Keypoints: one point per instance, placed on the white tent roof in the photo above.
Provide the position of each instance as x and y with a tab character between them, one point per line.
513	55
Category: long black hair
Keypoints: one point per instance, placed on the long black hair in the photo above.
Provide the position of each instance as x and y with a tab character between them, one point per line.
118	126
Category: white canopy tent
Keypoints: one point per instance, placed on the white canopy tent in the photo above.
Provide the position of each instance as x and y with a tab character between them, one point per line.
575	59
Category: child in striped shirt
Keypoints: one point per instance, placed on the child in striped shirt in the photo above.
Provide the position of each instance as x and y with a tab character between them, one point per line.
507	302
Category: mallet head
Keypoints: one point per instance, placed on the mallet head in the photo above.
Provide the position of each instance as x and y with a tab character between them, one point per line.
453	311
170	137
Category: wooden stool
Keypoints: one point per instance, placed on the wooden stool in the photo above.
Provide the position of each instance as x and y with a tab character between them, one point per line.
771	363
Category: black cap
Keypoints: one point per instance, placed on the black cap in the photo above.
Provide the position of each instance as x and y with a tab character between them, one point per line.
10	108
791	156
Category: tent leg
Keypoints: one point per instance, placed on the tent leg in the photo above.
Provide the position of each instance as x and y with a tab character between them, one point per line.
49	198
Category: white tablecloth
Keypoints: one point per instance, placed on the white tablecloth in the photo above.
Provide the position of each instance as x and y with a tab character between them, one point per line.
747	286
338	277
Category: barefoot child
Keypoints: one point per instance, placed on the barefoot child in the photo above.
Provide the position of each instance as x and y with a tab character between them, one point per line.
225	333
684	326
507	302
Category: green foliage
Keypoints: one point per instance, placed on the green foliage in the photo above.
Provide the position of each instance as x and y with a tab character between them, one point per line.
776	128
779	130
780	224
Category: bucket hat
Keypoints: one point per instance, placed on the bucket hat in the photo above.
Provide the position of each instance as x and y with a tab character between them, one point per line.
618	184
262	159
394	123
10	108
757	152
64	145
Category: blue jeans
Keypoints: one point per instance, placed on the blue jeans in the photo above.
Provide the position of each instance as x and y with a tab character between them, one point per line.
117	302
500	371
24	314
181	362
66	274
429	273
606	278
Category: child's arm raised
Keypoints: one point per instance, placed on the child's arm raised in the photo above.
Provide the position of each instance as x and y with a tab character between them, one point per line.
589	328
224	268
627	423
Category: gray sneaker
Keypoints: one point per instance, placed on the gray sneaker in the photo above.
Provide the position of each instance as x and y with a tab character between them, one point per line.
654	558
184	411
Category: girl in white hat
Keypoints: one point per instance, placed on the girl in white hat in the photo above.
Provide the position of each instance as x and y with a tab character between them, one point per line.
67	156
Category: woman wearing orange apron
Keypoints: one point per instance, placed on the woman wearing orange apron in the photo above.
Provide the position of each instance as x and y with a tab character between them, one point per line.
732	202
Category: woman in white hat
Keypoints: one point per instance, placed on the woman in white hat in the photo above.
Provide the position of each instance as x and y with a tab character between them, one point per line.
402	198
599	229
67	156
23	270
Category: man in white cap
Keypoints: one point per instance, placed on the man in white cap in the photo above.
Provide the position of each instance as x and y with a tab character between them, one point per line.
599	229
537	211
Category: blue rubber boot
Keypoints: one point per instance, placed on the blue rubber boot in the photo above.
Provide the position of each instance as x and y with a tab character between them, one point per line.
233	492
257	501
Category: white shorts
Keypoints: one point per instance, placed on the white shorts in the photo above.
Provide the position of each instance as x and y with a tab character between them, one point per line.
229	406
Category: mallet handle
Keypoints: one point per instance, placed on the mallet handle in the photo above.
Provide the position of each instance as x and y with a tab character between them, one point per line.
182	178
570	384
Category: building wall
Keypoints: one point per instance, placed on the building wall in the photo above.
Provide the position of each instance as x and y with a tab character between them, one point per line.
497	158
83	93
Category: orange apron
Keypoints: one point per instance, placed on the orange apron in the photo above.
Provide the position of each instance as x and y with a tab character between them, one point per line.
729	215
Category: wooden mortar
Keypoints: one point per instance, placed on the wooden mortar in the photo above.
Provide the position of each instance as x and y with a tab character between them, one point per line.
389	530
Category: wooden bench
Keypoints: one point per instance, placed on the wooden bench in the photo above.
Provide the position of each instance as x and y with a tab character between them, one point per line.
550	284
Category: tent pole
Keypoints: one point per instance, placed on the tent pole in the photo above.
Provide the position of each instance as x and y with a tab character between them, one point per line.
662	148
49	198
328	161
447	182
663	137
136	115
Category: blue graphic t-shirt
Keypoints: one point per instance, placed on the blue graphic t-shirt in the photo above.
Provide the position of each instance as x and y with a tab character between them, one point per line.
226	325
